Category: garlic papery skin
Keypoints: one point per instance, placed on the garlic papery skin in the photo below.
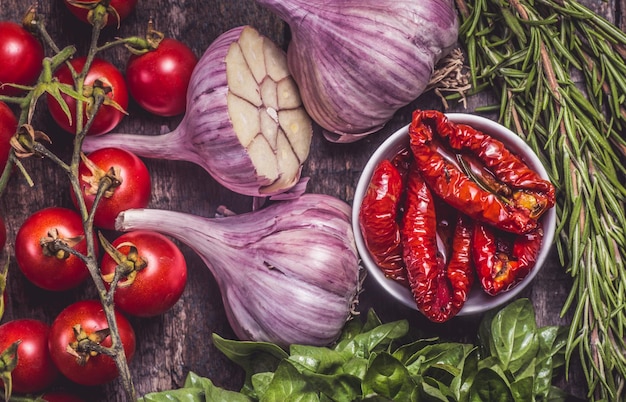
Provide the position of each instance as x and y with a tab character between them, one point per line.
357	62
288	273
244	123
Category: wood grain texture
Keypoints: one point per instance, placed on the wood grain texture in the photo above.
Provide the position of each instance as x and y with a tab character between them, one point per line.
171	345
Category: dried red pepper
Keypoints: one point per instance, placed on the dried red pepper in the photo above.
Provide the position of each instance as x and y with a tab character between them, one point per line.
439	289
502	259
508	195
378	219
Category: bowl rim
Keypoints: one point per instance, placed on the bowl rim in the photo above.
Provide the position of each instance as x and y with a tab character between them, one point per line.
481	301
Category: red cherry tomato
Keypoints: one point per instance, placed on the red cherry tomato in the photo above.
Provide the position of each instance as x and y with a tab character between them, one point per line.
133	192
87	316
158	79
35	370
8	126
41	264
21	55
81	9
157	286
108	115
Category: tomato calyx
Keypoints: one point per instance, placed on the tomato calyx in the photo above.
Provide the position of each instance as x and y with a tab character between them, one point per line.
8	363
109	179
87	345
128	265
152	40
30	19
8	358
54	245
98	12
97	95
26	140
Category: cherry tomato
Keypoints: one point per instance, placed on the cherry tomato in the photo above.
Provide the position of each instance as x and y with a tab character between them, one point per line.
37	257
134	190
8	126
21	55
158	79
161	276
35	370
101	73
87	318
81	8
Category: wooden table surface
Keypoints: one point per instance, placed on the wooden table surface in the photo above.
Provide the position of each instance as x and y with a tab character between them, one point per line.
171	345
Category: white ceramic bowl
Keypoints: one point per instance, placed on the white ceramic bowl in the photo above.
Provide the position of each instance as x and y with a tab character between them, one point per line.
478	301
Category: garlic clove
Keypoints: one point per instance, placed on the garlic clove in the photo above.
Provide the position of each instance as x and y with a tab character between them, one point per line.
287	94
252	48
241	80
275	62
264	160
291	122
269	95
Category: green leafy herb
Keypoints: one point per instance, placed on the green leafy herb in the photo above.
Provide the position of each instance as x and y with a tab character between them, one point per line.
514	360
196	389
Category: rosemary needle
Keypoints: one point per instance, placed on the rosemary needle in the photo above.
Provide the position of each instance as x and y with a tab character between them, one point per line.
558	70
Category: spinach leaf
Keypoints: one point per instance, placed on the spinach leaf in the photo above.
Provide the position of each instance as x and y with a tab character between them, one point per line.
338	387
375	339
196	389
318	359
451	354
388	378
357	367
490	386
355	326
176	395
522	389
260	383
253	357
551	355
408	351
372	321
294	382
288	385
433	390
514	337
462	384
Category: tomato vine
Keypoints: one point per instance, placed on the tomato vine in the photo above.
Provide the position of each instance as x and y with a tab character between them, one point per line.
77	100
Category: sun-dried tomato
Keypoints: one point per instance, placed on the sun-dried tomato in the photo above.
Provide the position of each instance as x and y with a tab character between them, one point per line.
440	290
502	259
378	219
502	190
402	160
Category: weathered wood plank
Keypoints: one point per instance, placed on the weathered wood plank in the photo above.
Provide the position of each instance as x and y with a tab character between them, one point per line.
179	341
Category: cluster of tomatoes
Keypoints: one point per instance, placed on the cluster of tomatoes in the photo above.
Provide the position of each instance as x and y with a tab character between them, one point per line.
157	80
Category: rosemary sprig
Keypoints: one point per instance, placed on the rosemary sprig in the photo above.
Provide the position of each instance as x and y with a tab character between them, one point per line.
558	70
